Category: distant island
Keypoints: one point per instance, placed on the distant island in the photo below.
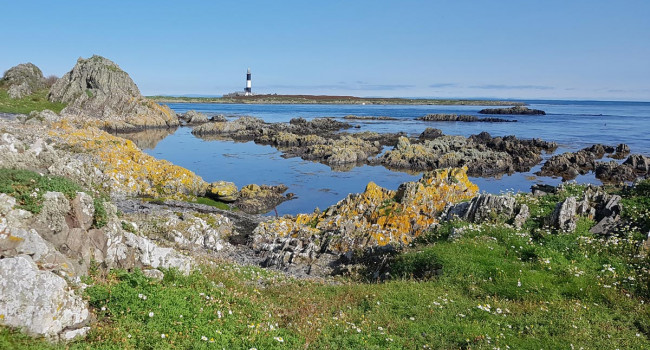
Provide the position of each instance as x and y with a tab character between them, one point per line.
322	99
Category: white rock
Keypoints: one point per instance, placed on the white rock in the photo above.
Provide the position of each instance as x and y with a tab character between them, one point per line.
74	334
39	302
7	203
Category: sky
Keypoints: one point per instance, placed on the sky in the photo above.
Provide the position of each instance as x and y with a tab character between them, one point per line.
527	49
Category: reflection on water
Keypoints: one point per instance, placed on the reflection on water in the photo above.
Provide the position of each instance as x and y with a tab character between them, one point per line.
147	139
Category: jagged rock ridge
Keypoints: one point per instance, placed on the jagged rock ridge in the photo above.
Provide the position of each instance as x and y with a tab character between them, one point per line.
98	90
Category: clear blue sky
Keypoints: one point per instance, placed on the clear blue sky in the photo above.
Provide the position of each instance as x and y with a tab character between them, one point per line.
585	49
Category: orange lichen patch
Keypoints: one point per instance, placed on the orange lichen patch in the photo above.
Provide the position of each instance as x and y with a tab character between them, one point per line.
131	171
286	227
383	215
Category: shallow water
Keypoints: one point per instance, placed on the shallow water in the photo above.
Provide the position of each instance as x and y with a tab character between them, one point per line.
572	124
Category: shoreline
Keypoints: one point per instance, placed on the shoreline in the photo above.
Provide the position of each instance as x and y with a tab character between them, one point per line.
334	100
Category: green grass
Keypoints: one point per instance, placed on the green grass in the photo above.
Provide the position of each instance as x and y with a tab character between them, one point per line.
28	188
213	203
36	102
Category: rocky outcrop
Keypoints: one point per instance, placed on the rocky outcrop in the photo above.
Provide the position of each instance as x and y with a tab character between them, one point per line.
517	110
488	208
320	243
430	134
254	199
99	92
639	163
460	118
243	128
635	166
482	154
571	164
603	208
23	80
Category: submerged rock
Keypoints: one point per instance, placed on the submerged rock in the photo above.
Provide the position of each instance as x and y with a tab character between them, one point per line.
98	91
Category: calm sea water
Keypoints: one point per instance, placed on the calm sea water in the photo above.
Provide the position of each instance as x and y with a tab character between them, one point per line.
572	124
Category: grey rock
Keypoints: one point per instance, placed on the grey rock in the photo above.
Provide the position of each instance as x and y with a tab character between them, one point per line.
521	217
39	302
97	89
193	117
19	90
83	210
51	221
612	172
638	162
604	226
484	207
74	334
24	78
430	134
571	164
7	203
564	217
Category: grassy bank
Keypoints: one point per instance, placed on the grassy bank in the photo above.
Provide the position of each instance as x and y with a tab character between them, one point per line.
36	102
314	99
492	287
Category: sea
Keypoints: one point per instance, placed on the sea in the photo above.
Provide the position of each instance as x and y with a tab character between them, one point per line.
572	124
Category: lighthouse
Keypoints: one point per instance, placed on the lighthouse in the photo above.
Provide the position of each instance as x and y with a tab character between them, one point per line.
247	90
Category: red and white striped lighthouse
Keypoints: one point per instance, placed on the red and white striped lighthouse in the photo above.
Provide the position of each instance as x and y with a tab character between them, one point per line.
247	90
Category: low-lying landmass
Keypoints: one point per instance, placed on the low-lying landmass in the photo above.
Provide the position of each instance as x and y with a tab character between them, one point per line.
322	99
104	247
516	110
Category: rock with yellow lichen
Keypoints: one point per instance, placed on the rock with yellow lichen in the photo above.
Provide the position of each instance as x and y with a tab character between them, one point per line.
375	218
98	92
223	191
130	171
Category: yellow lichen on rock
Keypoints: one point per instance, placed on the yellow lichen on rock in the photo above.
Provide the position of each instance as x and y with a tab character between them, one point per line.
132	171
383	215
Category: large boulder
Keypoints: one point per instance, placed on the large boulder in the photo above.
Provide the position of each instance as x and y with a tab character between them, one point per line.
39	302
223	191
98	90
23	80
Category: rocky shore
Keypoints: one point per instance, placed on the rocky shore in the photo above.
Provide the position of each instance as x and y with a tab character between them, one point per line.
76	201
